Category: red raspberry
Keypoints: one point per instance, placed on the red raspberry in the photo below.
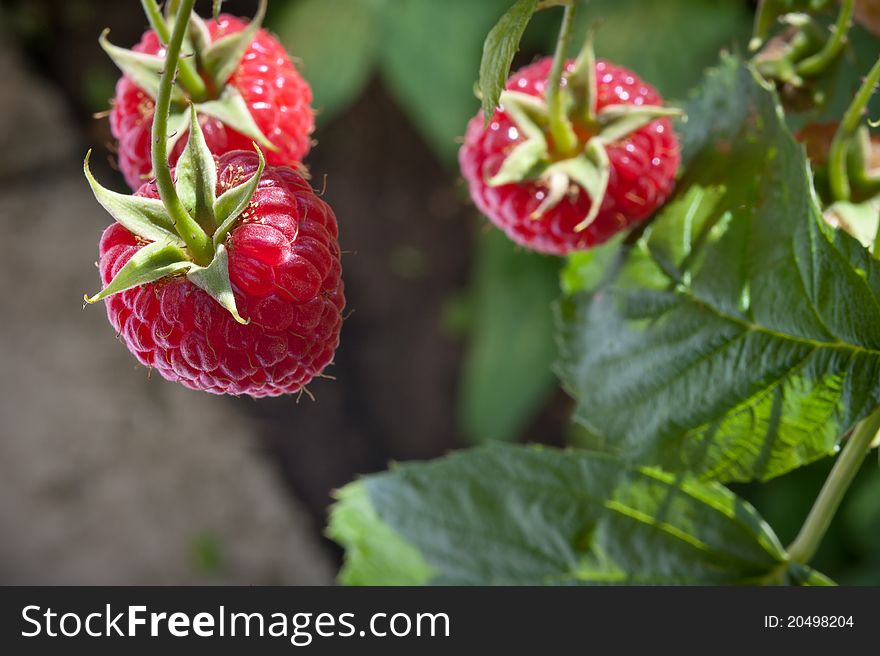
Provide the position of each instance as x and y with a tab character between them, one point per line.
643	168
279	100
286	277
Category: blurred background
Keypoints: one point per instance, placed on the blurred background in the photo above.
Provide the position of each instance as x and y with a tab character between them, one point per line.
109	475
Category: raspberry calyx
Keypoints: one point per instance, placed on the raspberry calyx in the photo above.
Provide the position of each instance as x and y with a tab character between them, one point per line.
206	75
188	239
567	135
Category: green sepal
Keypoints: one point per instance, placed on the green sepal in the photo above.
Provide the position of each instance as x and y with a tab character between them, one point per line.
619	121
590	171
232	110
525	160
198	35
214	280
143	69
592	178
177	124
229	206
581	83
149	264
521	163
144	217
196	182
222	57
558	183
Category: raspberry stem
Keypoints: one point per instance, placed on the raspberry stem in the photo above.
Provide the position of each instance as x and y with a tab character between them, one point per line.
188	77
841	477
837	154
196	238
564	138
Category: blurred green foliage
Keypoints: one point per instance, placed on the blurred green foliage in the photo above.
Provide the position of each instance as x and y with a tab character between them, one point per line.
427	53
336	45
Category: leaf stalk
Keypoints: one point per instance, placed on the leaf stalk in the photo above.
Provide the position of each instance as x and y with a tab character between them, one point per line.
841	477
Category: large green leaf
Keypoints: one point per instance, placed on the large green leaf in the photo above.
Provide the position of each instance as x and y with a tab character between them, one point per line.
740	337
526	515
507	372
374	553
337	43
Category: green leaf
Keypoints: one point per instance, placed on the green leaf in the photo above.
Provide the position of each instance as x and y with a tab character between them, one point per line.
149	264
528	516
739	338
145	217
373	552
232	110
196	173
214	280
143	69
338	44
587	269
234	201
223	56
802	575
498	51
507	373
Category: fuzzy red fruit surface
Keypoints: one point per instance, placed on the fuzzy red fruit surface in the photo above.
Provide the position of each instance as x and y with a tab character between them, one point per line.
278	98
285	273
643	168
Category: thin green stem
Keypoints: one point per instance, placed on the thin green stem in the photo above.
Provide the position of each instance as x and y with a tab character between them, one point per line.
842	474
187	74
197	239
822	59
876	249
837	174
157	20
171	8
564	138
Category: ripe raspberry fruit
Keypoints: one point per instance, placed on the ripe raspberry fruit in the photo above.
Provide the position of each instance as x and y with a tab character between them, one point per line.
285	276
618	168
251	92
